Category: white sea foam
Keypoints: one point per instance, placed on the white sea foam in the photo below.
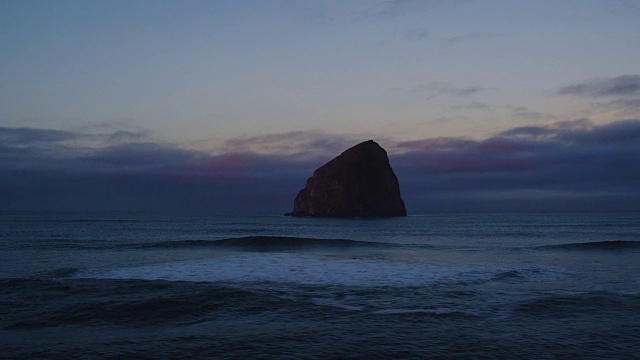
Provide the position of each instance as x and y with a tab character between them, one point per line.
302	269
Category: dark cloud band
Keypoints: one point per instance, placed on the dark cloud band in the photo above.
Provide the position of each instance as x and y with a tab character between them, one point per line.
574	165
624	85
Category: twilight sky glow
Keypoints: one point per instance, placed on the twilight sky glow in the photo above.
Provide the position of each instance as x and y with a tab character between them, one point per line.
483	105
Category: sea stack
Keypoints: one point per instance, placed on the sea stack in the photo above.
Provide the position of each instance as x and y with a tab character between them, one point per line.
358	183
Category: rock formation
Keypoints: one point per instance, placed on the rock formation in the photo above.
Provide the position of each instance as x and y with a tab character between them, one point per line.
357	183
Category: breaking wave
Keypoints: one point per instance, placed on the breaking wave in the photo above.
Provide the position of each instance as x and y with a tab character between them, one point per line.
360	271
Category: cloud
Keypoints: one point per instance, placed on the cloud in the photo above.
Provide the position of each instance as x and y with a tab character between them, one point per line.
623	85
435	89
69	173
608	98
417	34
623	103
32	147
620	108
475	105
570	165
397	8
296	144
16	136
531	132
126	136
522	112
454	40
308	12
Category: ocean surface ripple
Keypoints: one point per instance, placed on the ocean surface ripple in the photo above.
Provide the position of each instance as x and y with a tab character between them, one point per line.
129	285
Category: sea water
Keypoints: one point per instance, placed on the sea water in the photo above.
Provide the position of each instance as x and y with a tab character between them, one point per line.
159	285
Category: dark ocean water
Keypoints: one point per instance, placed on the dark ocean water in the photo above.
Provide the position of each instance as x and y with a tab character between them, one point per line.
140	285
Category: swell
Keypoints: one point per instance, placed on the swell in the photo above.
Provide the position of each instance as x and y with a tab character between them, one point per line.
581	303
255	243
40	303
597	245
263	243
80	221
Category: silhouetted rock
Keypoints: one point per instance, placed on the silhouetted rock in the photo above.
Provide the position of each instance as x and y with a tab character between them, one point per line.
357	183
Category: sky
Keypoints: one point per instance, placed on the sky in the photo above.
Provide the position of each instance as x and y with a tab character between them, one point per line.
228	106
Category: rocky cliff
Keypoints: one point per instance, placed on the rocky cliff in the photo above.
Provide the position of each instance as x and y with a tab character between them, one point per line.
358	183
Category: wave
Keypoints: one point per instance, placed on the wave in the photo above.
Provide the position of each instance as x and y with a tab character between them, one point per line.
39	303
597	245
310	269
262	243
61	273
372	308
567	303
437	312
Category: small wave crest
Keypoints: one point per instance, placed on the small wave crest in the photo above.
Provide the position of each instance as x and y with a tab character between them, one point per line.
437	312
361	304
44	281
508	275
597	245
579	302
337	304
62	272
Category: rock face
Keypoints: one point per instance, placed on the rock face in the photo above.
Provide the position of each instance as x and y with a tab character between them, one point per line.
357	183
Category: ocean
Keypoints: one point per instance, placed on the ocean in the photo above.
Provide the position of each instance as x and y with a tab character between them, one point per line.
117	285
